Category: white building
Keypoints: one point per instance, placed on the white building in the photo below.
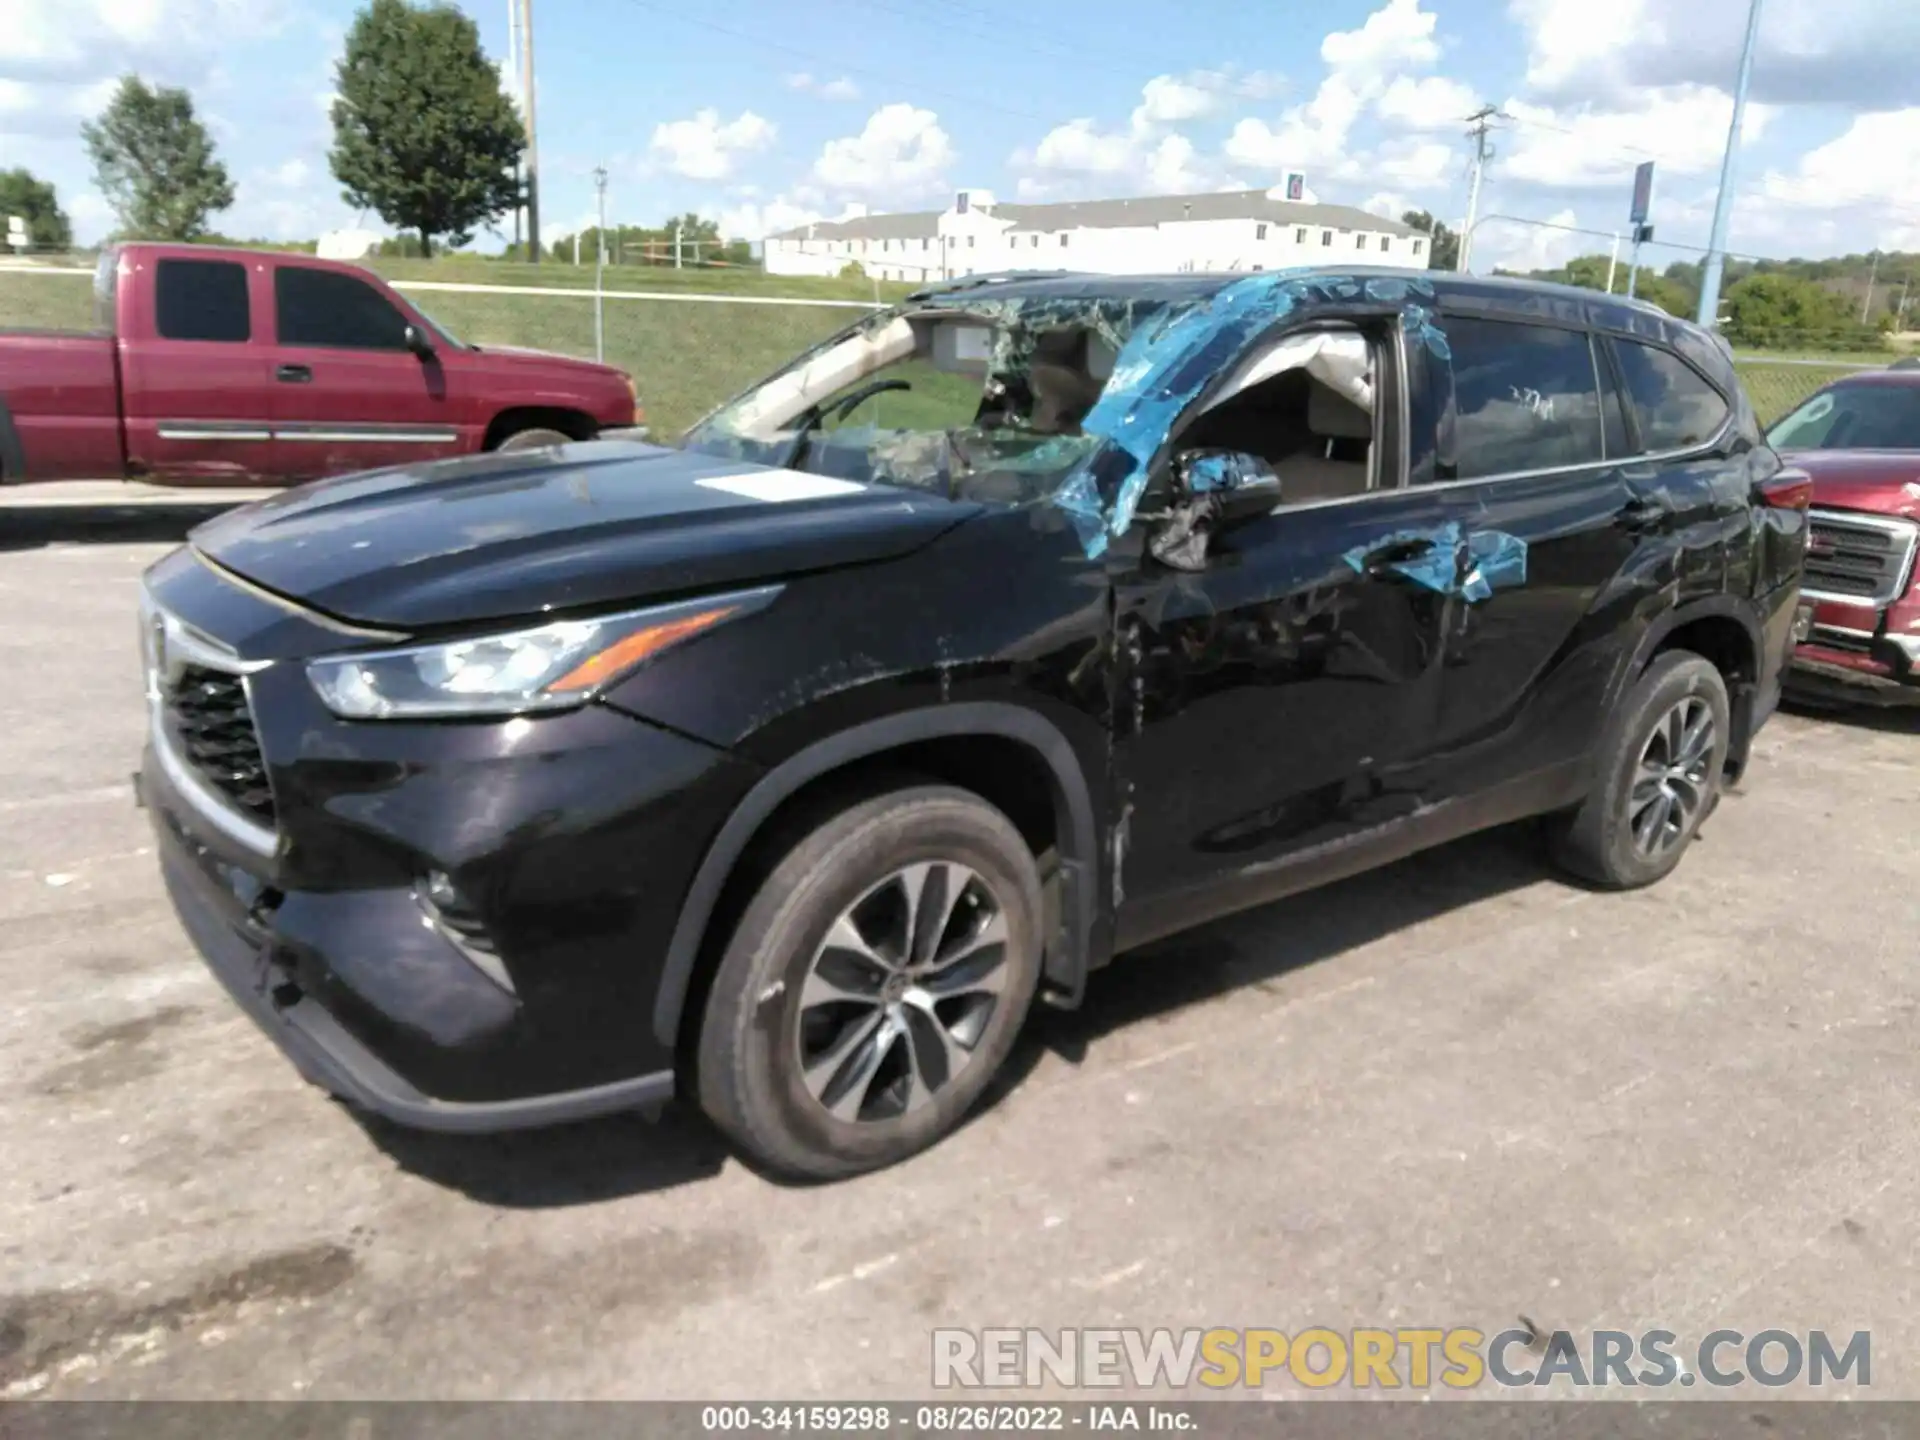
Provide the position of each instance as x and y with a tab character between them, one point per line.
1236	230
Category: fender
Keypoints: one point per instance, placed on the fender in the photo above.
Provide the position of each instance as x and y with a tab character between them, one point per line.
13	455
1740	697
1069	951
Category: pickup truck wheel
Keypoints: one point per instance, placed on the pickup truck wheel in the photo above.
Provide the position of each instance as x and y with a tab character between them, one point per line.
873	985
1662	761
537	439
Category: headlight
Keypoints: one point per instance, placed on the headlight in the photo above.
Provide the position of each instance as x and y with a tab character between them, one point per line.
548	667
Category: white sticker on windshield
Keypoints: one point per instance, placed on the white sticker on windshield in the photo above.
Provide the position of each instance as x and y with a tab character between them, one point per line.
779	485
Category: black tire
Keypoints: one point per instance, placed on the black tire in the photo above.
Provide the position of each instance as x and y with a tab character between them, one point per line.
760	1027
538	438
1608	839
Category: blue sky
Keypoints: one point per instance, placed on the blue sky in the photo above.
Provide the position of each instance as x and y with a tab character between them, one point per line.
771	113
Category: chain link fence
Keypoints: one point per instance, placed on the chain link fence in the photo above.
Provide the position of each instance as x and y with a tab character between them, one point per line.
1777	384
690	352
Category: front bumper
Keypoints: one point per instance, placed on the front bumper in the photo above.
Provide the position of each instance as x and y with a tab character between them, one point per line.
1822	672
219	908
560	849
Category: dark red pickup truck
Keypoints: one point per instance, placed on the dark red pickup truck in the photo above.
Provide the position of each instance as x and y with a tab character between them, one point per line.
242	367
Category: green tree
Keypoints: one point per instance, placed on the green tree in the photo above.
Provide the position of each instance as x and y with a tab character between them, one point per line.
1589	272
423	133
154	161
34	201
1784	312
1446	244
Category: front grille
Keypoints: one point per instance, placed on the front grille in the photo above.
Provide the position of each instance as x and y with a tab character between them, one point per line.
212	727
1861	558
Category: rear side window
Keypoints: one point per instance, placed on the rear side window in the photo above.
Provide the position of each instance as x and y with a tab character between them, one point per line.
1526	397
322	307
201	300
1676	407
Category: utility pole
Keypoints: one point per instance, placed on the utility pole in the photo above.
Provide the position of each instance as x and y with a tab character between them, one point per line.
676	244
533	148
1482	122
1873	274
513	69
1709	313
599	264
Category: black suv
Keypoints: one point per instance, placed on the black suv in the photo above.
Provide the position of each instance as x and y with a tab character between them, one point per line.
1014	626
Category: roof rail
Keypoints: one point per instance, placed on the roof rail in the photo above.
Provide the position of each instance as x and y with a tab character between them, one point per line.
998	277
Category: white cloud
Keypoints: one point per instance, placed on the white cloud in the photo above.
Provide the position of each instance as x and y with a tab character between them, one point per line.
901	155
1168	100
705	148
1397	36
1079	157
1387	204
1501	245
1433	102
51	108
1365	67
1854	53
1080	148
752	221
1311	135
293	173
809	84
1858	188
1685	127
1410	164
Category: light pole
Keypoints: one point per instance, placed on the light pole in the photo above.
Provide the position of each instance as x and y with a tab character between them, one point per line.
599	264
1709	312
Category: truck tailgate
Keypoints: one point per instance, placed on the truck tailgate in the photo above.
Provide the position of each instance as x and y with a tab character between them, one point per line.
59	406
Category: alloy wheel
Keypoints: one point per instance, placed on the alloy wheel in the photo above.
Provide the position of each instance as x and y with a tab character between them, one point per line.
901	990
1673	778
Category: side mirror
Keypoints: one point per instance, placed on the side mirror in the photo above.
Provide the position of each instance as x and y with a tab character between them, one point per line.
1236	486
418	342
1213	490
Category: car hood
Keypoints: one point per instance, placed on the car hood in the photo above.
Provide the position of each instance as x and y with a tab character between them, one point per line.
1881	482
516	354
504	536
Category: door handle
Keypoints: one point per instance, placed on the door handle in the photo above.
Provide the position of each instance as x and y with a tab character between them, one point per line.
293	374
1381	562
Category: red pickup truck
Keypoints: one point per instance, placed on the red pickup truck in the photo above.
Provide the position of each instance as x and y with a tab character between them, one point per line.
1859	439
214	367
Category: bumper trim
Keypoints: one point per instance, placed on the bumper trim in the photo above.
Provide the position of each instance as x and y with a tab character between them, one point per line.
329	1056
1822	678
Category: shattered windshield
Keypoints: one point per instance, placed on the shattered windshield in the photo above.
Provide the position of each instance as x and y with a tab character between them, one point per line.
1063	395
972	397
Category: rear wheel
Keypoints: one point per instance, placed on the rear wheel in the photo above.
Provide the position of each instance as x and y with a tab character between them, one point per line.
535	439
874	984
1661	766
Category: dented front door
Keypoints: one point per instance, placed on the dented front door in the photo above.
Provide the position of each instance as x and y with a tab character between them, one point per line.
1276	702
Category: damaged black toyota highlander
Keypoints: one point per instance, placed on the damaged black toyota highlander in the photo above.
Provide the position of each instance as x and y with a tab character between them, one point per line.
1015	626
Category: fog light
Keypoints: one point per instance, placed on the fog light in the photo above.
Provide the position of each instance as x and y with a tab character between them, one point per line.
455	921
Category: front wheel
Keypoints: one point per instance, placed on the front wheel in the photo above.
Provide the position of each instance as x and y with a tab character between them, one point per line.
1660	769
874	984
535	439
